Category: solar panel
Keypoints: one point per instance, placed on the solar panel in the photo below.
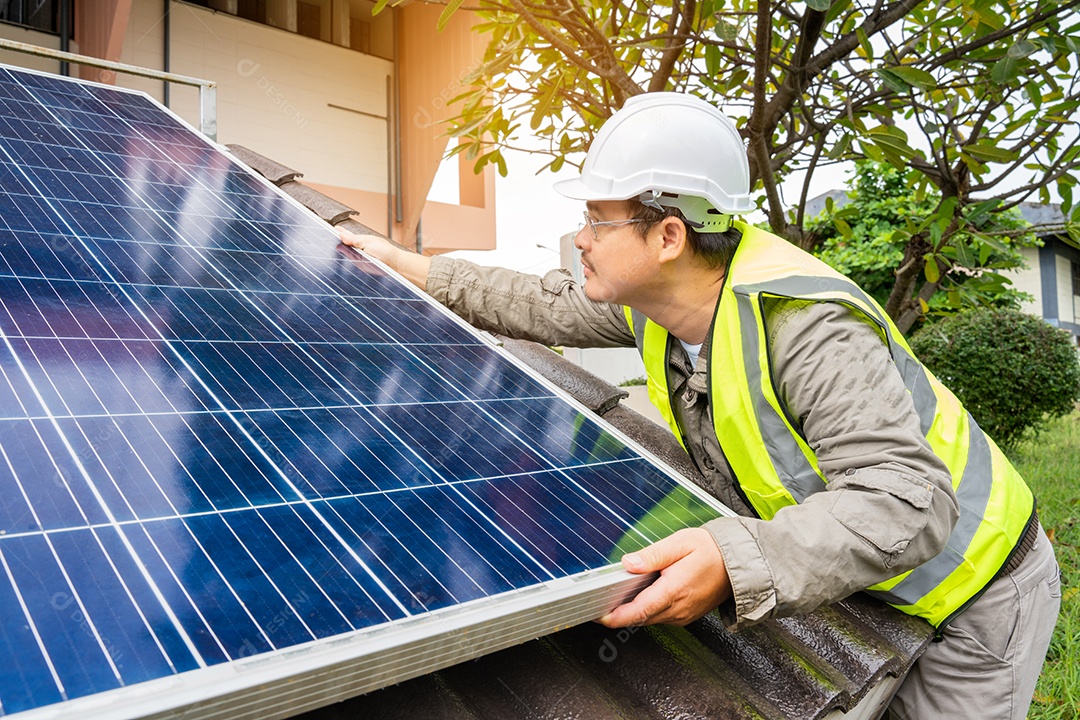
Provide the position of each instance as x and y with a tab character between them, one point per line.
245	471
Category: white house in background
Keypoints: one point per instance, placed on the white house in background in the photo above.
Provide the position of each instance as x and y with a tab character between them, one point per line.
1052	275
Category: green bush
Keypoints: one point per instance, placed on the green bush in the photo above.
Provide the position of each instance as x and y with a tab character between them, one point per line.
1011	370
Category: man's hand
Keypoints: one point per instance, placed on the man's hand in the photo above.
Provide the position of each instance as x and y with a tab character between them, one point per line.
412	266
376	246
693	580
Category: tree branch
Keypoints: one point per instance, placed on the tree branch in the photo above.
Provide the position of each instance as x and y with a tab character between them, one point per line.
677	42
610	72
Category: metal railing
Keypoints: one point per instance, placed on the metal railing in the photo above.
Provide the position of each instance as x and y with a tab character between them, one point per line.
207	88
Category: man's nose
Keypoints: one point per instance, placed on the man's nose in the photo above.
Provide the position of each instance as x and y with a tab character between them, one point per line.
581	237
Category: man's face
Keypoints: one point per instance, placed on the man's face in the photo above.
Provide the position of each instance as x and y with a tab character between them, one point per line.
616	261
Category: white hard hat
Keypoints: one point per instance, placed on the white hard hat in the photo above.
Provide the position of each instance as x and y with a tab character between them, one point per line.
668	149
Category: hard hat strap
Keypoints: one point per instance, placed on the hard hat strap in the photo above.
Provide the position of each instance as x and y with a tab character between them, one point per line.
697	211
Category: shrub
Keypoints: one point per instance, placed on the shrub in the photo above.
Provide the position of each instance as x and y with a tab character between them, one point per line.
1011	370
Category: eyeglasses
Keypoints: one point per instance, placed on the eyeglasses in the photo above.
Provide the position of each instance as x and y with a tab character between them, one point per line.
593	224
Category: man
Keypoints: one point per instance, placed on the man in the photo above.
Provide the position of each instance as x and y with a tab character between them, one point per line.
796	396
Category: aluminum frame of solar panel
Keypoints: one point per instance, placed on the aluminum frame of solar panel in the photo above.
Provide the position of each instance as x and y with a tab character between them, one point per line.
299	676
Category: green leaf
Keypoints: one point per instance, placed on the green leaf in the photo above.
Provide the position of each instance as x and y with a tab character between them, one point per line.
914	76
893	143
990	153
543	105
1034	94
977	212
864	43
819	5
893	81
447	13
380	5
836	9
1064	188
842	227
963	253
1022	49
945	211
1005	70
840	147
713	58
933	274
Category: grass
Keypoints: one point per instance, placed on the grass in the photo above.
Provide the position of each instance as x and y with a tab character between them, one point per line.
1051	465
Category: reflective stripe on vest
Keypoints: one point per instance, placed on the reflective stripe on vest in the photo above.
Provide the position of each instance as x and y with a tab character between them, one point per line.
779	469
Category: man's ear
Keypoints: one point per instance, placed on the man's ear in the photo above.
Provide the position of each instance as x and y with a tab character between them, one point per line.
671	234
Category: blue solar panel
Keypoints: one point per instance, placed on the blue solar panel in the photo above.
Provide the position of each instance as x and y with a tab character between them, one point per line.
226	441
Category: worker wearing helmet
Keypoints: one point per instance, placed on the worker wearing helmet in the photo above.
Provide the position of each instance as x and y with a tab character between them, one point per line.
851	466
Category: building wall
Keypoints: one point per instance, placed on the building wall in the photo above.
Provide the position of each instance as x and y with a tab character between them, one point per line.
33	37
1028	280
275	90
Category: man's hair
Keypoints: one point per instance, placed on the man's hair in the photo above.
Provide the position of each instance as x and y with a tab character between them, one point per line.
716	249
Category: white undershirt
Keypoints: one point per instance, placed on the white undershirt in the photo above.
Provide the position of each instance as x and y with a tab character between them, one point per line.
692	351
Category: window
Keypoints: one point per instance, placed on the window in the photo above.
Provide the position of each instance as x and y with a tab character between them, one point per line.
309	20
1076	278
319	19
251	10
360	35
36	14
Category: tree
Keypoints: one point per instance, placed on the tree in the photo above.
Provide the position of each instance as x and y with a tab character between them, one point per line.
863	235
978	97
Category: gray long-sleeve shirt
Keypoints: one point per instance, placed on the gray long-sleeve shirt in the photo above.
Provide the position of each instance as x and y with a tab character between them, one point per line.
889	504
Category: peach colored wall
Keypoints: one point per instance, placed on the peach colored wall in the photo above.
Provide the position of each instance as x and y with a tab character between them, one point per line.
446	227
100	26
432	67
370	207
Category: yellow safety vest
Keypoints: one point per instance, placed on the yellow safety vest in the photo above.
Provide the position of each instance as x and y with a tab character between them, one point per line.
775	467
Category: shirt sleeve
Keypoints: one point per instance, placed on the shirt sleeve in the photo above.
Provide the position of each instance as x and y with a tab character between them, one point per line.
889	504
552	310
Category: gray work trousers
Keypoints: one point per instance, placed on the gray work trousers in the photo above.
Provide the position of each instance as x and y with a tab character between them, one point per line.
989	659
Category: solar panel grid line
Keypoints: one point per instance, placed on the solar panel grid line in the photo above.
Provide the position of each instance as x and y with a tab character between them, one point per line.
181	358
179	627
32	625
511	424
134	603
93	487
239	426
499	529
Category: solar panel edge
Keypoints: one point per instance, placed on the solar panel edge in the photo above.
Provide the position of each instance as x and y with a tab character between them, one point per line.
80	81
358	662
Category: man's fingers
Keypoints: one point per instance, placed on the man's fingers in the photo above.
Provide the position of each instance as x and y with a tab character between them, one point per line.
649	603
659	555
693	580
